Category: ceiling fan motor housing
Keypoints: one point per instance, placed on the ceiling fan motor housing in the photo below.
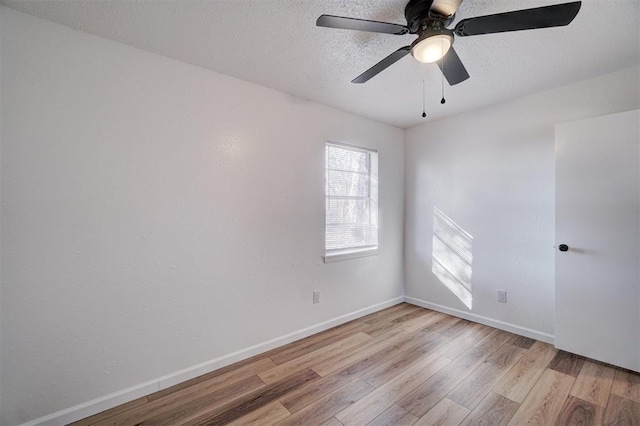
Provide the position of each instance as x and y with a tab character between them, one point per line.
419	16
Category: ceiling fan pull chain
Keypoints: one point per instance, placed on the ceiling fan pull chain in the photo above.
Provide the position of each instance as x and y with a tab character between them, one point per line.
424	114
442	101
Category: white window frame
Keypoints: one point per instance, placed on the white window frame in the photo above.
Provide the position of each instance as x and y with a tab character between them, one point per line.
335	255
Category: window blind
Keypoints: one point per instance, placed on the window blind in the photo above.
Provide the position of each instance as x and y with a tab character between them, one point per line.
351	198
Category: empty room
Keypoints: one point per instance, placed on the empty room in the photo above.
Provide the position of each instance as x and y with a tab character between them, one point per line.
312	212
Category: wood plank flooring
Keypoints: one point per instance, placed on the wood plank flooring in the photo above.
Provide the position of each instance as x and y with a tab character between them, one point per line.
404	365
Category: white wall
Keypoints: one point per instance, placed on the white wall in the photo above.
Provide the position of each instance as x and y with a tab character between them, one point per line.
156	215
0	215
492	172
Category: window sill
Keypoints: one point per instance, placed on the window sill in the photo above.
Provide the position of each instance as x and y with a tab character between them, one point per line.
349	254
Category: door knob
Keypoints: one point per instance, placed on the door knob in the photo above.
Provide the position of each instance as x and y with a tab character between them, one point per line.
563	247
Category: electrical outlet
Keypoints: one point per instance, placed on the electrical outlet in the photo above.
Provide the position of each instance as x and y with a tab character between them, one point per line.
316	297
502	296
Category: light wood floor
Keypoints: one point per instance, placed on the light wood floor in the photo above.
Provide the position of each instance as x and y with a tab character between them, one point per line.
404	365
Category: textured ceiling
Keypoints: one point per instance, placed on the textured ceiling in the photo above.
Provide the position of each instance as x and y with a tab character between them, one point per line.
275	43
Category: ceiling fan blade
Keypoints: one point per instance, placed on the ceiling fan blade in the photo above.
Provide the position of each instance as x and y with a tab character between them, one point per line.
345	23
452	68
382	65
540	17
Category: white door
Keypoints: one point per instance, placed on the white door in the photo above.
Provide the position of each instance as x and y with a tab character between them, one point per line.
598	218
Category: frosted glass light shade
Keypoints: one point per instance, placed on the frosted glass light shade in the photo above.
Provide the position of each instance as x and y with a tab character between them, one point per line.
432	48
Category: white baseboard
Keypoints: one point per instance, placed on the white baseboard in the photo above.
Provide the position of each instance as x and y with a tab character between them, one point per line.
112	400
512	328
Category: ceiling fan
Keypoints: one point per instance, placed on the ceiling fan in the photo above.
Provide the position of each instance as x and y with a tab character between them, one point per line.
429	20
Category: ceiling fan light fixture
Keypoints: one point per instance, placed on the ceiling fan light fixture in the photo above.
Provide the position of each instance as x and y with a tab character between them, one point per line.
431	47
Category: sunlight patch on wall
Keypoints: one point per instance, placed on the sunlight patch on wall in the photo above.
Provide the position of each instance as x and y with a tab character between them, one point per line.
452	256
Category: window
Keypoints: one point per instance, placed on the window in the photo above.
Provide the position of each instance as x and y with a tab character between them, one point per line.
351	202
